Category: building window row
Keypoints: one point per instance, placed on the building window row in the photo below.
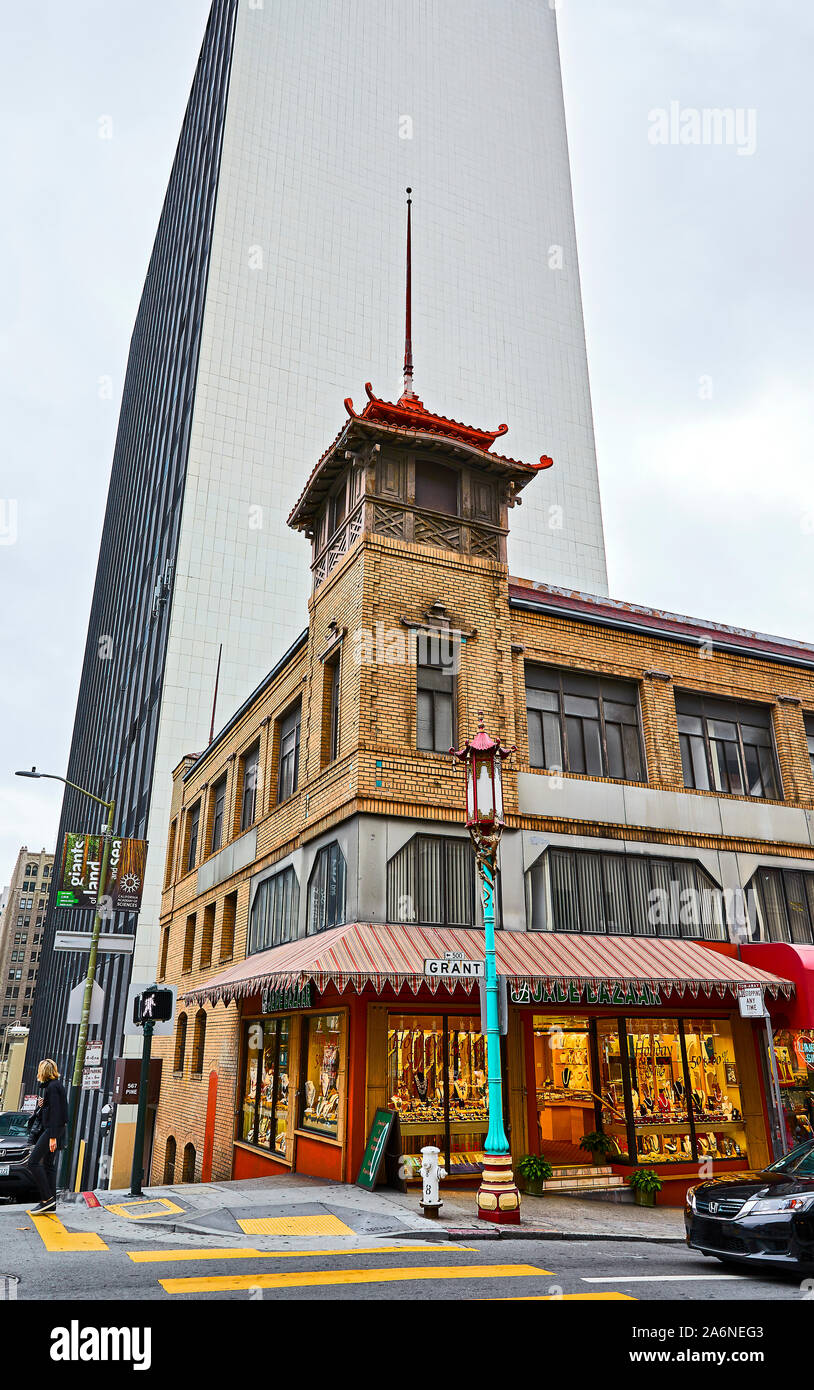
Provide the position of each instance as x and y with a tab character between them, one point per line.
592	725
623	894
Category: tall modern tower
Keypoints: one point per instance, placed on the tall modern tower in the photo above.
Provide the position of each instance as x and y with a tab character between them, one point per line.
274	290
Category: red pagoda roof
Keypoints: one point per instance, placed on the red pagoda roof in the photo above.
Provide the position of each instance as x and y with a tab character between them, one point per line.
409	414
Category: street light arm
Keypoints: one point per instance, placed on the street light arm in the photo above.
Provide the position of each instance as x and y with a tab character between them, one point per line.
53	777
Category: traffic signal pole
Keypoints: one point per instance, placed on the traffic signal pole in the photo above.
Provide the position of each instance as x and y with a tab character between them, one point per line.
137	1173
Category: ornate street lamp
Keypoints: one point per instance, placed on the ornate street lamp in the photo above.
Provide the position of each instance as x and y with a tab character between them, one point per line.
482	756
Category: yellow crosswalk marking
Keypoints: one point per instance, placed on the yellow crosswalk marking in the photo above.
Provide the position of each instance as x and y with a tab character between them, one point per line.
246	1253
234	1283
294	1226
162	1206
57	1240
563	1297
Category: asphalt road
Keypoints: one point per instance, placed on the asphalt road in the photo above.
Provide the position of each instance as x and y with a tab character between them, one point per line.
40	1260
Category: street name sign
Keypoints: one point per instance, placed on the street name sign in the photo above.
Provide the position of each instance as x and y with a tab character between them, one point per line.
109	942
453	965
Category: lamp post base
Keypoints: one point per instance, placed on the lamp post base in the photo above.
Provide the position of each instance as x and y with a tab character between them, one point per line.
498	1196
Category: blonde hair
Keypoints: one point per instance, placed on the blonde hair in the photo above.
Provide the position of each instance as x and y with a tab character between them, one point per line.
47	1071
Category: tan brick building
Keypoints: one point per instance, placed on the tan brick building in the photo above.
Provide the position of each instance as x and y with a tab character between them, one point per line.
658	852
21	927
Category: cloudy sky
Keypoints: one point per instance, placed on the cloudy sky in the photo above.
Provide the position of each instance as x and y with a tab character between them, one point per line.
697	283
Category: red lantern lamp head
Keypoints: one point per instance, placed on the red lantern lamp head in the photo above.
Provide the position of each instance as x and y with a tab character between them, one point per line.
483	757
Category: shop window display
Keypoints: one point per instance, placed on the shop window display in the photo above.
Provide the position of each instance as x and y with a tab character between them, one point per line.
436	1077
611	1087
717	1108
320	1087
658	1090
794	1052
264	1107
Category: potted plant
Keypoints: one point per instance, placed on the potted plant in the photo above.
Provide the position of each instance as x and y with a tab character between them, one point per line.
534	1169
645	1184
598	1145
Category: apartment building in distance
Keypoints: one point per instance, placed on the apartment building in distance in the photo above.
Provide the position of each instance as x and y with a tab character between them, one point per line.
21	933
658	856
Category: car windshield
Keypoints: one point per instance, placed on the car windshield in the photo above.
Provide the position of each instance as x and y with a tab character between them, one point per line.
13	1125
799	1163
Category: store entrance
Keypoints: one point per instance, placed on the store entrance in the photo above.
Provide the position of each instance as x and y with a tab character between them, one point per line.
564	1087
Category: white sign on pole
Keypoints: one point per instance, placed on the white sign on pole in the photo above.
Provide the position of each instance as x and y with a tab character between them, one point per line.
93	1053
750	1001
109	943
29	1104
455	966
92	1079
97	1004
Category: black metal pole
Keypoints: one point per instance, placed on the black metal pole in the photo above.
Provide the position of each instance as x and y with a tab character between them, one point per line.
141	1120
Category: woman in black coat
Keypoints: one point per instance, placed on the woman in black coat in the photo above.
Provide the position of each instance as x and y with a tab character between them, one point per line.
52	1116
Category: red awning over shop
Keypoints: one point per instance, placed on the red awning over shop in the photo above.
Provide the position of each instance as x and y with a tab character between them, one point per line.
361	954
795	963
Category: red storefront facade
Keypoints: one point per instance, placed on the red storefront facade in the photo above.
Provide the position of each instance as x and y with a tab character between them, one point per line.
641	1040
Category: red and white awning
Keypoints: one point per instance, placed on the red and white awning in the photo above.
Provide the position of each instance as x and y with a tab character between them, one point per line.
360	954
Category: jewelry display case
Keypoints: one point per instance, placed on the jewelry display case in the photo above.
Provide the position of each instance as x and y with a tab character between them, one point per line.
436	1080
319	1101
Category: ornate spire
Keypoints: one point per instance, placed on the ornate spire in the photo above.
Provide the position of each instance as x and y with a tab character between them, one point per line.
408	323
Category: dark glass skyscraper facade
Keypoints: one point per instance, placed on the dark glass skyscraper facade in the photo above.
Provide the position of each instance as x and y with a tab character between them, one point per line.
117	713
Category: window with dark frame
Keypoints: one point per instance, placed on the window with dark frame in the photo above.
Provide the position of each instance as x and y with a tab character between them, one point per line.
289	761
193	826
198	1044
435	701
332	670
727	747
218	809
590	891
808	720
326	889
249	780
180	1043
431	880
436	487
584	723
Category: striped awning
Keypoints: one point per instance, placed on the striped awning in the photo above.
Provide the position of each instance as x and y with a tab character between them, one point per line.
550	967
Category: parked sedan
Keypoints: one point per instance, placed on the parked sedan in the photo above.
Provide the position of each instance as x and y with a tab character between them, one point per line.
764	1218
15	1146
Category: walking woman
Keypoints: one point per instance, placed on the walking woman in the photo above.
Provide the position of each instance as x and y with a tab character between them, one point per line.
53	1118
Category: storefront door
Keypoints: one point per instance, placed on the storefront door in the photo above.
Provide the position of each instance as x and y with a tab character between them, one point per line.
563	1084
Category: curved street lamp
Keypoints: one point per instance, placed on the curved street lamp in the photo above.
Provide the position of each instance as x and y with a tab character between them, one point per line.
84	1025
482	756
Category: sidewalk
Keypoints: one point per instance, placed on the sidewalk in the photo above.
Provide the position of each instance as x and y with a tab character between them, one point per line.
258	1208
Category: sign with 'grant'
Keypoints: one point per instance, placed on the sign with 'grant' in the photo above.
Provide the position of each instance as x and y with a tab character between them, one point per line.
455	966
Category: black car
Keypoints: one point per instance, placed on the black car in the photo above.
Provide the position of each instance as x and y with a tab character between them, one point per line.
15	1146
764	1218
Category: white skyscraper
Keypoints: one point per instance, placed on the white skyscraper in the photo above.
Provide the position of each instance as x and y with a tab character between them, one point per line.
275	290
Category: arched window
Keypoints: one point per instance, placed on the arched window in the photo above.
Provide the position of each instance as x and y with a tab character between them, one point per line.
180	1043
188	1172
169	1160
198	1043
